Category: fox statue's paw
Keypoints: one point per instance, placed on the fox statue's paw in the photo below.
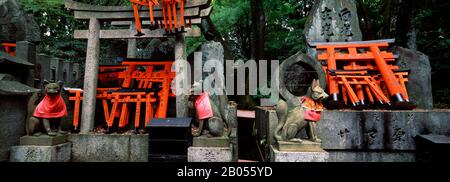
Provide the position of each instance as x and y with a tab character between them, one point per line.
296	140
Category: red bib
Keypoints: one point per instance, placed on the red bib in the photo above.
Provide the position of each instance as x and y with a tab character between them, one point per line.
51	107
203	107
313	108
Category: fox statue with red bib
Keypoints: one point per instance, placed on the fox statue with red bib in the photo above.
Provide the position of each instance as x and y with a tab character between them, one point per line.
293	119
46	115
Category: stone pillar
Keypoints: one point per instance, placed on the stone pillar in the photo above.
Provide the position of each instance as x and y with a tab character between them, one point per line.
181	58
132	43
27	51
55	69
43	65
76	71
67	76
90	77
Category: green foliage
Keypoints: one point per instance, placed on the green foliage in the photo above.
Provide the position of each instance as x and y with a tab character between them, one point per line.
56	25
285	21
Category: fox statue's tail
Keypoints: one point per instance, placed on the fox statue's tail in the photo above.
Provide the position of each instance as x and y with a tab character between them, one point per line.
31	106
282	111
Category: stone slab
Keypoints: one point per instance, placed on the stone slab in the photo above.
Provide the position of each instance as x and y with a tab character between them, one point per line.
43	140
109	148
33	153
204	141
437	139
234	144
210	154
380	130
433	148
371	156
305	146
365	130
13	111
285	156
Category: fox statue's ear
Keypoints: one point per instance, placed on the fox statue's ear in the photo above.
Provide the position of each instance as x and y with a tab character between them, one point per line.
45	83
317	83
60	83
313	85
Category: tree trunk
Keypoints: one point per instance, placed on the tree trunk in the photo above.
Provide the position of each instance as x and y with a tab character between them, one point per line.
258	26
405	28
411	36
386	18
367	26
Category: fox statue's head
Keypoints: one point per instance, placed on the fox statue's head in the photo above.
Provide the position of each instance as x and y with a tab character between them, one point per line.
52	88
317	93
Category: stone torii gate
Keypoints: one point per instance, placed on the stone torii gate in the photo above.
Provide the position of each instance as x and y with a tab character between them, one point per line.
195	10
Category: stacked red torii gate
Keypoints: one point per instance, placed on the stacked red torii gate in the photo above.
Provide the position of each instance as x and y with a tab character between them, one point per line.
363	71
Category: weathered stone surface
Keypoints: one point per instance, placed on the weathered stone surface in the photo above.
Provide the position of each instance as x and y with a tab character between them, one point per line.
90	78
285	156
419	79
333	21
12	122
181	66
213	57
366	130
375	130
15	88
210	154
295	75
109	148
266	121
43	63
234	143
158	49
305	146
371	156
16	25
32	153
204	141
43	140
127	34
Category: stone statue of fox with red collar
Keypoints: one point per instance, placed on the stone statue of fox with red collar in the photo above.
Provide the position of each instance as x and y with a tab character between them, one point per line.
45	115
293	119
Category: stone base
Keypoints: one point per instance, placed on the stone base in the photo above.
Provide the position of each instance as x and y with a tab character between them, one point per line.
285	156
234	144
210	154
43	140
109	148
204	141
371	156
33	153
305	146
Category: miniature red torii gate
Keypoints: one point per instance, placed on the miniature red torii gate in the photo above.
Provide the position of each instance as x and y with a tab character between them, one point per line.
169	11
351	65
9	48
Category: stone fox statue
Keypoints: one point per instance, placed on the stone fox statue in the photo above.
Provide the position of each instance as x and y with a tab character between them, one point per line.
46	116
293	119
208	115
